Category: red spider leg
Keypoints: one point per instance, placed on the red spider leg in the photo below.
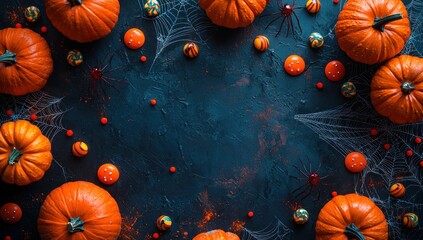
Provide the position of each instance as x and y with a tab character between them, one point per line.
298	21
305	193
280	27
274	20
301	171
289	25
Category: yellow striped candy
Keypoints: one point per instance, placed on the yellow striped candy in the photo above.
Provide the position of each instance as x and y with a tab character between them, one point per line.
191	50
261	43
397	190
313	6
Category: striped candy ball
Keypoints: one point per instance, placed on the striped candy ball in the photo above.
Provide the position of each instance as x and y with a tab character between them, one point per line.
410	220
313	6
397	190
79	149
32	13
191	50
261	43
152	8
300	216
164	222
316	40
75	58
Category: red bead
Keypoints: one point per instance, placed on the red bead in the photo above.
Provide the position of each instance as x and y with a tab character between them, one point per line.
373	132
319	85
334	194
8	238
9	112
250	214
387	146
409	153
33	117
418	140
156	235
69	133
421	163
18	25
153	102
336	1
103	120
172	169
143	58
43	29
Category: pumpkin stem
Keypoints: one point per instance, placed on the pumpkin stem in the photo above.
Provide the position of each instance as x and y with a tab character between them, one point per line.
14	156
353	232
380	23
407	87
75	2
8	57
75	225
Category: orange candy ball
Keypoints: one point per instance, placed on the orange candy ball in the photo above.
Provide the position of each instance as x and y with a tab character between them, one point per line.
134	38
10	213
108	173
334	70
79	149
397	190
294	65
191	50
261	43
355	162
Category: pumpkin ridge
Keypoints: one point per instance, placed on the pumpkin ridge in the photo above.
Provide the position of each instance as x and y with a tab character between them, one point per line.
101	11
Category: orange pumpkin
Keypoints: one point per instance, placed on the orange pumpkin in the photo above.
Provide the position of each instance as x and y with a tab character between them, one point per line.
372	31
233	13
25	61
79	210
83	20
397	89
351	216
25	153
216	234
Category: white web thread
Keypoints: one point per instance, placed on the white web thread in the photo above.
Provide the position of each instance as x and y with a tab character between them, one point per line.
46	107
179	21
277	232
415	43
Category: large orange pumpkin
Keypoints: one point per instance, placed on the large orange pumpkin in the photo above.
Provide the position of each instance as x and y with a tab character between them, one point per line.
233	13
79	210
351	216
83	20
216	234
397	89
25	61
372	31
25	153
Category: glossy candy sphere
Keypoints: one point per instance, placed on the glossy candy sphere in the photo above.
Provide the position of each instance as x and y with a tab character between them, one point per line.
261	43
348	89
313	6
316	40
355	162
191	50
300	216
134	38
79	149
32	13
334	70
10	213
108	173
75	58
152	8
410	220
164	222
397	190
294	65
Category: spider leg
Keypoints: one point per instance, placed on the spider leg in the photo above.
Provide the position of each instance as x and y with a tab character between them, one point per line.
272	22
301	171
298	21
109	80
269	14
298	178
300	187
304	193
280	27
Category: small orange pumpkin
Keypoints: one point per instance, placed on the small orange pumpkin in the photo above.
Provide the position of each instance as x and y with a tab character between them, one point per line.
396	90
351	216
216	234
25	61
79	210
233	13
25	153
83	20
372	31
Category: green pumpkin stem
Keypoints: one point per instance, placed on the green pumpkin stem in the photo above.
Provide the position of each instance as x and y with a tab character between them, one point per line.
407	87
75	225
14	156
380	23
75	2
8	58
353	232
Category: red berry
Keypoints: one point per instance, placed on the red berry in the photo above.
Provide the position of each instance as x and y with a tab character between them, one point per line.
421	163
156	235
334	194
103	120
336	1
153	102
409	153
18	25
143	58
33	117
250	214
8	238
172	169
9	112
373	132
418	140
319	85
69	133
387	146
43	29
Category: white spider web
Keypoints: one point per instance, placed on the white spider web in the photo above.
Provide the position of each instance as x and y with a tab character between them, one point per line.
279	231
414	43
179	21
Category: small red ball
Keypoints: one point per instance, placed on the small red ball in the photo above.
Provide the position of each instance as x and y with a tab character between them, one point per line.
409	153
334	193
153	102
103	120
143	58
386	146
33	117
18	25
319	85
373	132
9	112
43	29
8	238
250	214
69	133
418	140
156	235
421	163
336	1
172	169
